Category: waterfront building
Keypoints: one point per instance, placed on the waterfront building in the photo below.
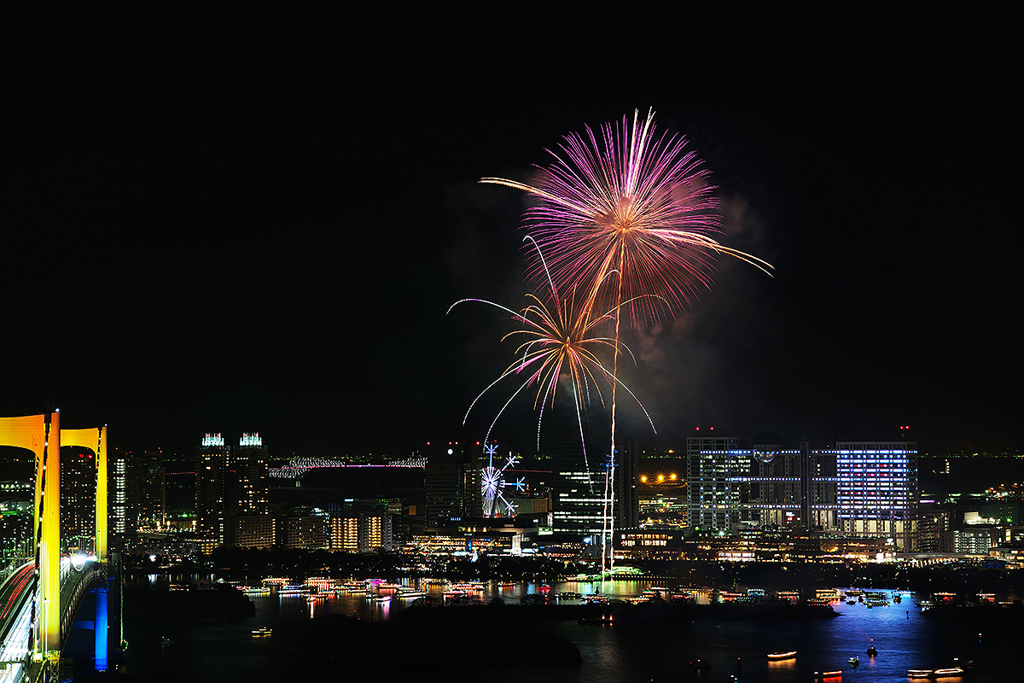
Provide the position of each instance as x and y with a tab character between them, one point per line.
975	539
661	493
648	543
793	488
717	477
361	532
252	531
935	533
303	531
877	491
345	532
578	493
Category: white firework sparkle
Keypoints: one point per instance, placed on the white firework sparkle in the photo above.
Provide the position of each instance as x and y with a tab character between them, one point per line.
493	483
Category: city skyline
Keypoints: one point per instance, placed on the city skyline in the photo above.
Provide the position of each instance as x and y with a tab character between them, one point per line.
237	236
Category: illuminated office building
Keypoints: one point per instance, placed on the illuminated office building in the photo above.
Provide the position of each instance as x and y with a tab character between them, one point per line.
247	482
453	483
211	464
877	490
77	500
361	532
232	482
578	493
717	481
303	531
252	531
793	488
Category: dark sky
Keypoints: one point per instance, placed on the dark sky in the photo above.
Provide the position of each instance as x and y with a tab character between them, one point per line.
255	221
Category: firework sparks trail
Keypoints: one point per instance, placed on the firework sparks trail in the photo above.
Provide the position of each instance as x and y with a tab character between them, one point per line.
560	344
634	203
493	482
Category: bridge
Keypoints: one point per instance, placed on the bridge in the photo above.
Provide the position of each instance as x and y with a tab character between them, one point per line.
41	592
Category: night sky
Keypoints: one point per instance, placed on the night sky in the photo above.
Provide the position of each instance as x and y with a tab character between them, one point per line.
255	221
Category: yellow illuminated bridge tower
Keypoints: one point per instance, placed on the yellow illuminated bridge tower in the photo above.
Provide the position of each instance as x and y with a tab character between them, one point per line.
42	435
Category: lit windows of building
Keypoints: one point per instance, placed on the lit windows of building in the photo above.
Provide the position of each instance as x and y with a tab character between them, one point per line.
211	464
253	531
877	492
718	468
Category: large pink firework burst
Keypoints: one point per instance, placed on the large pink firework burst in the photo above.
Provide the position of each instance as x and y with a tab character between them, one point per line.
636	205
631	201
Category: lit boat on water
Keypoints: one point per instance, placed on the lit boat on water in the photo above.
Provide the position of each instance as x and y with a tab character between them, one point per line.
780	656
948	672
827	675
260	632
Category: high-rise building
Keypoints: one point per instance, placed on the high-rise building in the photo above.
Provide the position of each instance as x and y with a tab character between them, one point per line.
578	496
717	481
77	500
877	490
453	483
793	488
146	489
232	482
249	483
211	464
117	495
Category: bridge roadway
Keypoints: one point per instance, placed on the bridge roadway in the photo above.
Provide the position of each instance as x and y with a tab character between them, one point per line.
16	612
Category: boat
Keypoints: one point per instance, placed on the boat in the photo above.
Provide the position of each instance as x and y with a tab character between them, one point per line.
853	661
947	672
827	675
700	664
603	620
259	632
851	602
779	656
871	652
